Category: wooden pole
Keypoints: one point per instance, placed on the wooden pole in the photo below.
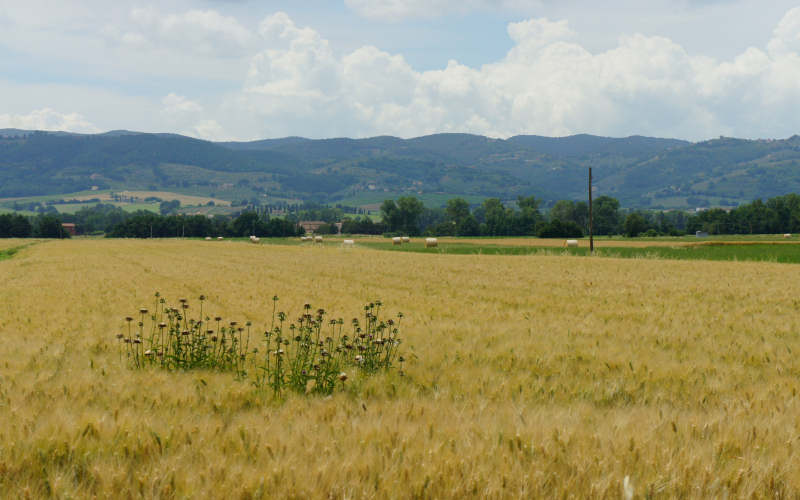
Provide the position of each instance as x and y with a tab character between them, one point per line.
591	218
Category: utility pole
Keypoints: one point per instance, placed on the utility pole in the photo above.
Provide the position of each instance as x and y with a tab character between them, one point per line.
591	218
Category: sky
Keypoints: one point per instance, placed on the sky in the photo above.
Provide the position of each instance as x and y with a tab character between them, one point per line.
255	69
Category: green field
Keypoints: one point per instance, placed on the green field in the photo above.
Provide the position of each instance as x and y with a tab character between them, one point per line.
755	252
758	248
71	208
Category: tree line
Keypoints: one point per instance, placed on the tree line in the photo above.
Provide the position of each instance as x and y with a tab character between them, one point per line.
41	226
409	216
493	217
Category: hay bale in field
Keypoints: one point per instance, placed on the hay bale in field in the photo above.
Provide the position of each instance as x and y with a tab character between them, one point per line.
317	239
431	242
397	240
405	239
220	238
208	238
255	239
348	243
787	235
571	243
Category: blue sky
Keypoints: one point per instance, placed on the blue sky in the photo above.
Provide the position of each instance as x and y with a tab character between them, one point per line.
238	69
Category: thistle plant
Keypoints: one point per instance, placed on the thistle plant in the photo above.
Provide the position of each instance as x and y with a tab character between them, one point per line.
311	354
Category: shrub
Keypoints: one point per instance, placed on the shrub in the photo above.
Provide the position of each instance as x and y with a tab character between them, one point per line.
559	229
308	355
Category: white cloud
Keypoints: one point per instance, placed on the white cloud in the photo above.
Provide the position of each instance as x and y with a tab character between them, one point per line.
786	36
249	80
546	84
395	10
48	119
202	31
209	130
177	104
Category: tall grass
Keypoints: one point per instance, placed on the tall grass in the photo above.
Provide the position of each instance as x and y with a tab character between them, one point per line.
526	377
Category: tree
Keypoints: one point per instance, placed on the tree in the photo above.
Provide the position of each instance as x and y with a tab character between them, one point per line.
571	211
468	227
168	207
49	226
558	229
391	215
635	225
15	226
497	218
606	215
403	216
529	218
457	210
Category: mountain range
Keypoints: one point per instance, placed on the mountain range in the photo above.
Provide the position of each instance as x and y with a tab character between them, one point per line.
641	172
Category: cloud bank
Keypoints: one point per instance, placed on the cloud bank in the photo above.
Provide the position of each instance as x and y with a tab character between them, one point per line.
281	78
546	84
48	119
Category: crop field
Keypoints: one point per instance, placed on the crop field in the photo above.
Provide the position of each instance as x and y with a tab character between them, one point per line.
526	376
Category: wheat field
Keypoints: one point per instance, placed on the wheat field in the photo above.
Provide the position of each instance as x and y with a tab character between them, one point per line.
527	376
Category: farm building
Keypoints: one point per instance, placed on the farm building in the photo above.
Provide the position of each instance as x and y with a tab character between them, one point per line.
69	228
310	225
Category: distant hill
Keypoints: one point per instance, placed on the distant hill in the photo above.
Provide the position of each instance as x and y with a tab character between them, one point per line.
640	171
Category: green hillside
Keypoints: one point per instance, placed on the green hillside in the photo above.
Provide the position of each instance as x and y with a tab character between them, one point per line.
640	171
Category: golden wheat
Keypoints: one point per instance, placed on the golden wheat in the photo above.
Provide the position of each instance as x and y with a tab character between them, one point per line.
526	377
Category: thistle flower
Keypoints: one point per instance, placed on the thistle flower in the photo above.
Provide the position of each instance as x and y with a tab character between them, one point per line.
119	335
143	310
182	301
162	325
148	353
137	341
343	376
128	319
359	358
202	297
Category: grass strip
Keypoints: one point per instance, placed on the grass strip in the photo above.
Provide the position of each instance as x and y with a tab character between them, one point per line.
751	252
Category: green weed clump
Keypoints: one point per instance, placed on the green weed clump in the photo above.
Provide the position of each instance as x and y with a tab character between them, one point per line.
311	354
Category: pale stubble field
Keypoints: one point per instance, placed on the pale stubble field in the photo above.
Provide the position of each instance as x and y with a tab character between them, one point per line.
527	376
